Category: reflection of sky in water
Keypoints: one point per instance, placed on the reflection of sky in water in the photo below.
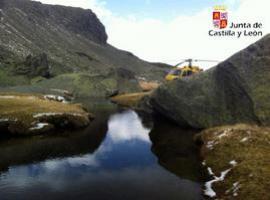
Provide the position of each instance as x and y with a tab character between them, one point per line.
122	165
126	127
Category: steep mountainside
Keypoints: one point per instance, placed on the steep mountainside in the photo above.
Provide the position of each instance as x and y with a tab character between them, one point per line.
236	90
72	40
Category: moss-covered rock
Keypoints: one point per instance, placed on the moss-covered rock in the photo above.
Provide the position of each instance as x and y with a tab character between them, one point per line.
33	66
236	90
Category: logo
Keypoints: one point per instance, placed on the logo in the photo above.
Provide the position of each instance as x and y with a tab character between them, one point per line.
221	28
220	17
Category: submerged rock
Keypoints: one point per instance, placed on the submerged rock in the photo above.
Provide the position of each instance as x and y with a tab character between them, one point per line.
236	90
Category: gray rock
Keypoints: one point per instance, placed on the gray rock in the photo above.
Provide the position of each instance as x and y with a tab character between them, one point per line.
235	91
34	66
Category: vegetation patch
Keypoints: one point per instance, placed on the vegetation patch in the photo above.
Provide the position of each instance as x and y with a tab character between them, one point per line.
237	159
24	114
148	85
130	99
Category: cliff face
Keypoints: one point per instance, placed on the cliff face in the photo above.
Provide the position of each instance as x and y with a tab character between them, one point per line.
73	39
75	20
235	91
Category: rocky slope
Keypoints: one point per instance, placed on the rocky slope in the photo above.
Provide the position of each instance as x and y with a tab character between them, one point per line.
236	90
38	40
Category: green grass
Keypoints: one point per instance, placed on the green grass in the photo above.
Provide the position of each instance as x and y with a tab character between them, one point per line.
6	79
81	84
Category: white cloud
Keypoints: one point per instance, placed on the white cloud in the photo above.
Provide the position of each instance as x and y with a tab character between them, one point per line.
185	36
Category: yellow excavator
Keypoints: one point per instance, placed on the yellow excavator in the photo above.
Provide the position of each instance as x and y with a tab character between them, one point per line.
185	71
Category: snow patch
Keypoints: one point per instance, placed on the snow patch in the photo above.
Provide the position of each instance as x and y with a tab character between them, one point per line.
39	126
208	185
244	139
224	134
46	114
54	114
210	145
236	187
208	189
8	120
55	98
4	120
210	171
233	163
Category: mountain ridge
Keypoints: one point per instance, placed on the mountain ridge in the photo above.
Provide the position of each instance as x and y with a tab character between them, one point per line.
73	38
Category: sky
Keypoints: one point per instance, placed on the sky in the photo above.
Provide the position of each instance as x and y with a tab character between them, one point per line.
171	30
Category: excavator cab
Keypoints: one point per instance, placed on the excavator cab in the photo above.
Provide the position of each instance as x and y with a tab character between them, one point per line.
186	71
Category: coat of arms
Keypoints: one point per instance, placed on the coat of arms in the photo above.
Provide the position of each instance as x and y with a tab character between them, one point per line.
220	17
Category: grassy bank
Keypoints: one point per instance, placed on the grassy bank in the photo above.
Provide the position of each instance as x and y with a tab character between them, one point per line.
237	159
148	85
25	114
129	100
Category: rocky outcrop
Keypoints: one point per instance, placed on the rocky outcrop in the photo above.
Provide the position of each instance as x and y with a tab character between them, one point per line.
76	20
34	66
126	80
236	90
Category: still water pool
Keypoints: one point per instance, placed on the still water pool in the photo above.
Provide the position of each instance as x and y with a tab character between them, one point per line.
118	157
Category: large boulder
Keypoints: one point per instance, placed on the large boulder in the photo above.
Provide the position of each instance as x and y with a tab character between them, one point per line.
236	90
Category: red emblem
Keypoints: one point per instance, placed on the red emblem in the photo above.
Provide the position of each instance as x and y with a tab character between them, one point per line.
220	19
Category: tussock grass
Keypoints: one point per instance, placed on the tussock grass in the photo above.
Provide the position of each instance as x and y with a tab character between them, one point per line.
249	147
18	111
130	99
148	85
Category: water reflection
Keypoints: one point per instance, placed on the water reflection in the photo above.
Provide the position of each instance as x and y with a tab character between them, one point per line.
127	126
176	150
120	165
